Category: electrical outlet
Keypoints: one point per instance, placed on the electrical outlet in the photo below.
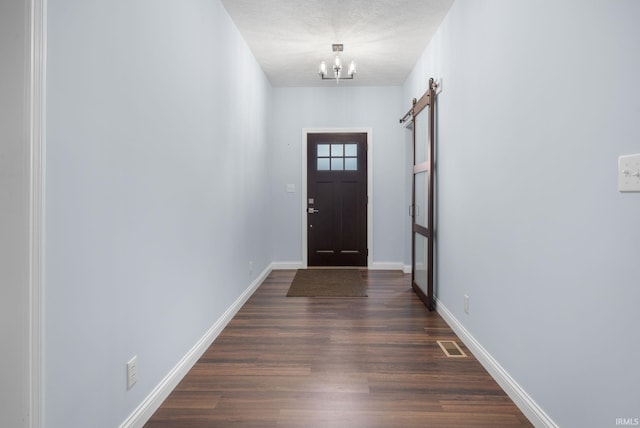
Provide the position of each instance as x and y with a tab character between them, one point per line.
132	372
466	303
250	267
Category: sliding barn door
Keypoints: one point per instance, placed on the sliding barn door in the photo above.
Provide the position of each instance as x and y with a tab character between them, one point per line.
422	210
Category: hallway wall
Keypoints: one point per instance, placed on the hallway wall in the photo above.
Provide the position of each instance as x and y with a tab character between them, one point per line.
539	100
158	116
14	213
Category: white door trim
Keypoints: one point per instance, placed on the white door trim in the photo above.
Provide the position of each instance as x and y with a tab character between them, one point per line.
37	79
369	132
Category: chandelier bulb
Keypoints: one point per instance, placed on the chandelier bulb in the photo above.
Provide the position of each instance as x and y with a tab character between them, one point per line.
352	68
323	69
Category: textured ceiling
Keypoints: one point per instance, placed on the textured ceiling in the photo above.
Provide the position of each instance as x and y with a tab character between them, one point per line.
289	38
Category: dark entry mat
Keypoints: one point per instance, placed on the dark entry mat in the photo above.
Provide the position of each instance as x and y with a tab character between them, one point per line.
327	283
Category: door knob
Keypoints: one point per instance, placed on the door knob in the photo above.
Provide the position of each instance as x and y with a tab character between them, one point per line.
312	210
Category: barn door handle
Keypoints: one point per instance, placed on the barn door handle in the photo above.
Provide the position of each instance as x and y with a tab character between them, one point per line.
312	210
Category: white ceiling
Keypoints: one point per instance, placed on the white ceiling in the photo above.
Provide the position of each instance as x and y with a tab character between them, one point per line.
289	38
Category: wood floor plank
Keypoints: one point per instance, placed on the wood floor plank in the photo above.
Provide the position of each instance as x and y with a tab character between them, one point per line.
336	362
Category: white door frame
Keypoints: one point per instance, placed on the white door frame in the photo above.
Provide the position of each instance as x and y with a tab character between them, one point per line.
369	132
37	106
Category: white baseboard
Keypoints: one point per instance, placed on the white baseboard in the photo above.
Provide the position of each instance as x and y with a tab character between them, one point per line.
147	408
286	265
374	266
387	266
525	403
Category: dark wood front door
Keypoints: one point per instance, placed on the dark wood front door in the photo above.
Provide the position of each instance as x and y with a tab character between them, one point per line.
337	199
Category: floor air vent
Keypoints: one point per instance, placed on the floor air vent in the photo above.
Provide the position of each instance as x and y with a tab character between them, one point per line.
451	349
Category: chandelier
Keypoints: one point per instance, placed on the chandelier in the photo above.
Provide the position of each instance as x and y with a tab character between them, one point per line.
337	66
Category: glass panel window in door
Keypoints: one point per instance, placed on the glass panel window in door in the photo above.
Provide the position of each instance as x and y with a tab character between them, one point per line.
421	266
323	150
351	150
421	139
421	201
337	150
337	164
323	164
351	164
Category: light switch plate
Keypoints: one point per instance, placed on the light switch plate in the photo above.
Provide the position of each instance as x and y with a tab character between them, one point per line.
629	173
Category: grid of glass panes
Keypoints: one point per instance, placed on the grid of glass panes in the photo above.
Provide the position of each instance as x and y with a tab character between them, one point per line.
337	157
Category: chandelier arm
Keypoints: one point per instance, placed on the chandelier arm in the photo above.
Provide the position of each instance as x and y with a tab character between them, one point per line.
333	78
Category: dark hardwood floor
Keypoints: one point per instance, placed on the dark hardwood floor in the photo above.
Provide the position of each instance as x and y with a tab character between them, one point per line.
336	362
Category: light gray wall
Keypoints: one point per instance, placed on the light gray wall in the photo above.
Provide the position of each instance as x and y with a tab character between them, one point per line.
540	99
156	186
378	108
14	213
